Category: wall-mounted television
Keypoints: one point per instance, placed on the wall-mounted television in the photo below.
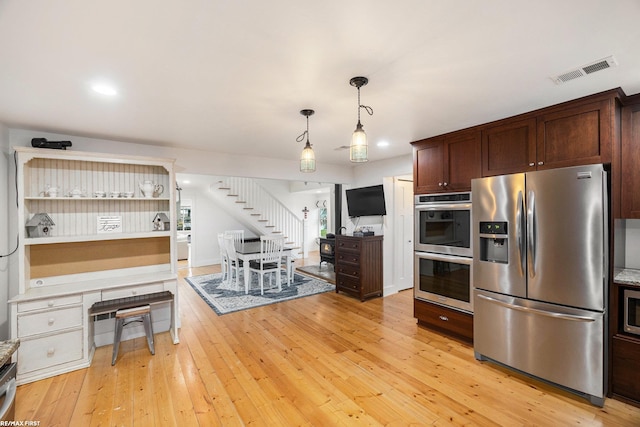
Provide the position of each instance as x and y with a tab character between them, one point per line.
366	201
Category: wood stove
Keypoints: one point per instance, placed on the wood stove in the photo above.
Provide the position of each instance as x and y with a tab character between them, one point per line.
328	251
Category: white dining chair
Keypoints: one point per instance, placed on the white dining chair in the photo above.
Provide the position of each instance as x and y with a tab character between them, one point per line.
235	264
238	235
224	258
289	261
270	260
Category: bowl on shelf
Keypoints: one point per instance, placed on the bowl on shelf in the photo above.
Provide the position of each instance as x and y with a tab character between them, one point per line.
128	194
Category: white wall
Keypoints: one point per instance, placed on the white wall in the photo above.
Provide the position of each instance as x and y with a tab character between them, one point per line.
632	250
207	220
7	243
375	173
196	161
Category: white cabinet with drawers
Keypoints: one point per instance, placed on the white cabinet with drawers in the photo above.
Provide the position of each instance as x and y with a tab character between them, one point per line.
93	239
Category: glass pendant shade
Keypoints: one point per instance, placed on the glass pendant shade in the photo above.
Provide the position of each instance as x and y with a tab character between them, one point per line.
307	159
358	149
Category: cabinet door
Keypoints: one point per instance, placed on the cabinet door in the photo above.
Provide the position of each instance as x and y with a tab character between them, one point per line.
630	156
509	148
626	377
462	160
575	136
428	170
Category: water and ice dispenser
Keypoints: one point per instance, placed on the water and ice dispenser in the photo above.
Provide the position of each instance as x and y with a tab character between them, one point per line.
494	242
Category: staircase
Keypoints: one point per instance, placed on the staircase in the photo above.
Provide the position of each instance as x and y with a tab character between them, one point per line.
259	210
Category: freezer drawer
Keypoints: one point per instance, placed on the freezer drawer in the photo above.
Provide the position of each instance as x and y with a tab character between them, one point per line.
558	344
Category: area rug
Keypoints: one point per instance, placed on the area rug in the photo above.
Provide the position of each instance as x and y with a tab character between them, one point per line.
224	298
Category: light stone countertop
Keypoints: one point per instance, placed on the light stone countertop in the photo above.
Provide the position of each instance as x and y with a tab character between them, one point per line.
627	276
7	348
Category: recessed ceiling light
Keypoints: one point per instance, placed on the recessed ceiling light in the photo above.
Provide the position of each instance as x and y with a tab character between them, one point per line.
104	89
382	144
186	181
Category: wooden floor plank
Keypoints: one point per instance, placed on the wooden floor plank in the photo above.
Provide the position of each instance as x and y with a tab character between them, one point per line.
327	359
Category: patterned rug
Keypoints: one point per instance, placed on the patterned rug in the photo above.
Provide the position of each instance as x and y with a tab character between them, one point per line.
224	298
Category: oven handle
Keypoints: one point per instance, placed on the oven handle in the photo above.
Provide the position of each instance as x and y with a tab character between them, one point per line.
446	258
8	389
443	207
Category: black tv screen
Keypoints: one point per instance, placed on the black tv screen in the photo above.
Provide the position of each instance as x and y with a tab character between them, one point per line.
366	201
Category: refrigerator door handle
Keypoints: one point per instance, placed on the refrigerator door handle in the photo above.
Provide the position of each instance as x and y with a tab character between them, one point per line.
531	229
520	225
553	314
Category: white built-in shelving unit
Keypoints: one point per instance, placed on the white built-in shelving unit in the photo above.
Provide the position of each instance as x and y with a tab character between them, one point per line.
62	274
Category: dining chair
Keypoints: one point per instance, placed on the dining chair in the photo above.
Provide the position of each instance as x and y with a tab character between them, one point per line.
238	235
224	258
290	267
270	260
235	264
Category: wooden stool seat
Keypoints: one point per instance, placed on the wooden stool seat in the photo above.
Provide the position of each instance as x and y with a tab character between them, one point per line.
132	315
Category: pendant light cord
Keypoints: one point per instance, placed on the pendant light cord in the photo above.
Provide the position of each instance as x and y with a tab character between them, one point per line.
306	132
366	107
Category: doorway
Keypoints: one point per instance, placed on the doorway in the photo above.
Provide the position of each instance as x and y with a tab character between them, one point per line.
403	233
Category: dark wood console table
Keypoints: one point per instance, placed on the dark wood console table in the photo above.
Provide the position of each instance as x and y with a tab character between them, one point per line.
359	266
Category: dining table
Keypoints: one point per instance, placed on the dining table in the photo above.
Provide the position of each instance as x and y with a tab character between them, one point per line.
249	251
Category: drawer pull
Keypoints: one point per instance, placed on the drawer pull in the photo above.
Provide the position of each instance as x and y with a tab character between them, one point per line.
134	292
51	321
51	351
51	303
444	318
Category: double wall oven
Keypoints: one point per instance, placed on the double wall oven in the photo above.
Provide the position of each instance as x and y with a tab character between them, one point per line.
443	250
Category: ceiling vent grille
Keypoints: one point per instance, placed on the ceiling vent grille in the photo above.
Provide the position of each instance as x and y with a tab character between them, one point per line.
587	69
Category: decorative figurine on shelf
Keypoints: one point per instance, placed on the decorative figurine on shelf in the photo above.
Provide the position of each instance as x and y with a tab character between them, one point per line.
39	225
161	222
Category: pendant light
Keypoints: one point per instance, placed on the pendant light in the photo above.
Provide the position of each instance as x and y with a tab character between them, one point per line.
307	158
358	150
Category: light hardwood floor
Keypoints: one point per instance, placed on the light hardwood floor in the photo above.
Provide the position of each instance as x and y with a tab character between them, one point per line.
323	360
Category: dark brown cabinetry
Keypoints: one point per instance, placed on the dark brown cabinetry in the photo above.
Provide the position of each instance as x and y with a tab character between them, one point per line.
630	162
575	136
571	134
625	372
450	322
509	147
359	266
447	163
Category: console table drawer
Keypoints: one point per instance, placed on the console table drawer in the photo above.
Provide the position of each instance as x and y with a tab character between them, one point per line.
348	244
49	351
49	321
352	258
348	270
49	303
131	291
347	283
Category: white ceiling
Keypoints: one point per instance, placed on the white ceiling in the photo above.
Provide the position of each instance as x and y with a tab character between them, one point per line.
232	76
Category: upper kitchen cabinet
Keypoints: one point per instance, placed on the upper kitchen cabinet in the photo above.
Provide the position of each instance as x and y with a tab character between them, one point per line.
571	136
448	163
509	147
630	159
574	133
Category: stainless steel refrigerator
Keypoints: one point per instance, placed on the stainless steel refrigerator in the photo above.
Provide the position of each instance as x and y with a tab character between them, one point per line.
540	275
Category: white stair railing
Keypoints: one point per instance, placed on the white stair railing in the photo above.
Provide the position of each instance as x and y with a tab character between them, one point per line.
263	210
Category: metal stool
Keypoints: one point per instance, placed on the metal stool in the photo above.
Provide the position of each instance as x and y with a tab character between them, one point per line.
132	315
